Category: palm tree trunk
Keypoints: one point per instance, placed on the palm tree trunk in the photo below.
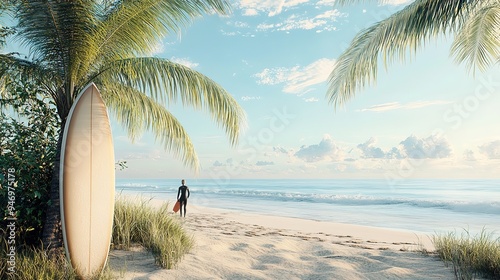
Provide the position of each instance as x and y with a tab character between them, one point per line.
52	238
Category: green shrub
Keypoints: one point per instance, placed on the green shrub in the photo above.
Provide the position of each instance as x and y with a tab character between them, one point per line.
28	131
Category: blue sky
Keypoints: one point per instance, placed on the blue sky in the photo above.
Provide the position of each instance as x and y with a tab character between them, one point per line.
425	118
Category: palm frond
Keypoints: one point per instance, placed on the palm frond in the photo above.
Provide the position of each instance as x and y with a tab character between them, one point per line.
57	34
12	67
406	30
133	27
138	112
167	82
5	7
478	42
40	30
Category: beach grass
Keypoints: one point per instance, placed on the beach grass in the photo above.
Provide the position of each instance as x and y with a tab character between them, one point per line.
135	223
139	223
31	262
470	256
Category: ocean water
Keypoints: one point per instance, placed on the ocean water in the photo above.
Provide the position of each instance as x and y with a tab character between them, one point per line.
424	206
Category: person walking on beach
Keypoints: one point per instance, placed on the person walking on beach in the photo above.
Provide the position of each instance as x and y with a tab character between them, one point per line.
182	196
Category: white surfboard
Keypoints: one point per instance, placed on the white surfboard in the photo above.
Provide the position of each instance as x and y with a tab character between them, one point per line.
87	183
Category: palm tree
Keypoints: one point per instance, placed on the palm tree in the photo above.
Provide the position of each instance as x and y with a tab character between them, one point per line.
475	24
107	42
4	31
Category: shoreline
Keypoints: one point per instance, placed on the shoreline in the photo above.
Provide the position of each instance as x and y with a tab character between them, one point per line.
234	245
310	226
298	223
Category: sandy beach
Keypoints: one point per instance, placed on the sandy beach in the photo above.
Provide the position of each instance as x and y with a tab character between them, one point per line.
232	245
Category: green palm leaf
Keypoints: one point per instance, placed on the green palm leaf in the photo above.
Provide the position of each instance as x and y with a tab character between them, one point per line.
134	26
393	38
12	67
4	31
138	112
478	43
168	82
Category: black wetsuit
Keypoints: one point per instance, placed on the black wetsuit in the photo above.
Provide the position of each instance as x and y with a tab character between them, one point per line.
182	196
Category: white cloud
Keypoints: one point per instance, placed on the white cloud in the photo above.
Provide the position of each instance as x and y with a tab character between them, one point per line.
369	151
280	150
230	33
469	155
264	163
229	162
396	105
433	146
305	24
325	150
331	14
491	149
273	76
278	153
241	28
281	15
241	24
267	26
394	2
217	163
325	2
382	107
396	153
311	99
185	62
297	80
270	7
322	21
248	98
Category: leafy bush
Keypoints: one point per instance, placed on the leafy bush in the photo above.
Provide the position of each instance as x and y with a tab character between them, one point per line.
28	138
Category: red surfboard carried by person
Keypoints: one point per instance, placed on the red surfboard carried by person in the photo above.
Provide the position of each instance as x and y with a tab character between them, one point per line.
177	206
